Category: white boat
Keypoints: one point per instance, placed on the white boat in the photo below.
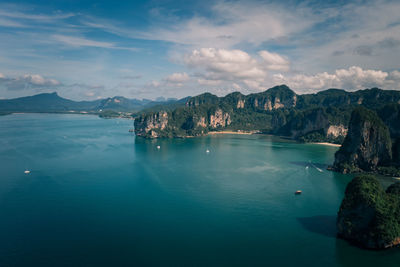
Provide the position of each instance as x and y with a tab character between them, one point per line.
207	151
158	147
27	172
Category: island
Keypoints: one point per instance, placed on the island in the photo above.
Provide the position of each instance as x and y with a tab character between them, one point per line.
372	143
369	216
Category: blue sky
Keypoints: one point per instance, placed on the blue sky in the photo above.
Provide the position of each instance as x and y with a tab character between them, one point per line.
146	49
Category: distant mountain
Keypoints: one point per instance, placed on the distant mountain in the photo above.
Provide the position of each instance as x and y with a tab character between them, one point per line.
323	116
52	102
47	102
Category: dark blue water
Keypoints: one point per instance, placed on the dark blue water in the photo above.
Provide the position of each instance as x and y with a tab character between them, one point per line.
98	196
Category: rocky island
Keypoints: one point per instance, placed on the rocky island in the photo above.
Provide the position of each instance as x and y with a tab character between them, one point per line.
367	144
369	216
372	142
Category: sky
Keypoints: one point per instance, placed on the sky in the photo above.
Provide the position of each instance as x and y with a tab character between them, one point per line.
86	50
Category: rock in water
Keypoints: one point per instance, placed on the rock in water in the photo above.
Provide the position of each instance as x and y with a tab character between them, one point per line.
367	144
369	216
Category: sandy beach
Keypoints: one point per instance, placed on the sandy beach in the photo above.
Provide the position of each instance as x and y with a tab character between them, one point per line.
230	132
327	144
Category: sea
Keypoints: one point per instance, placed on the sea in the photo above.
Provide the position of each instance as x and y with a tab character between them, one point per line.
97	195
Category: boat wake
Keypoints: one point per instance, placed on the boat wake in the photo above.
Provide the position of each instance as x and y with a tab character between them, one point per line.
318	169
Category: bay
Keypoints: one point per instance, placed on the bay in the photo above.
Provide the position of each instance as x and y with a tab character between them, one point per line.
99	196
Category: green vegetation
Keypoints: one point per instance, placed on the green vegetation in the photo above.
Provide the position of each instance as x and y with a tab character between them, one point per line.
278	111
389	171
368	215
367	146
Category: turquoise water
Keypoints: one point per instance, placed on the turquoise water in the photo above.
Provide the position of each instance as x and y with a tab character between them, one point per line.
98	196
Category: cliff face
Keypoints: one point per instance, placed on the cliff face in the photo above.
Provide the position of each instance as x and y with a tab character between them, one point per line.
275	98
312	125
149	126
310	118
219	119
369	216
367	144
336	131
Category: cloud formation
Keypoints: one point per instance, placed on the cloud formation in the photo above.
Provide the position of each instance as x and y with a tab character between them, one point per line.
217	46
27	81
224	65
177	77
353	78
232	23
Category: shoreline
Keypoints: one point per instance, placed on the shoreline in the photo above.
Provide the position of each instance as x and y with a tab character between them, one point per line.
230	132
326	144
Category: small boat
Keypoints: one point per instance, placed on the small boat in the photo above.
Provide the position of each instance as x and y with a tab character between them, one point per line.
158	147
298	192
27	172
131	130
207	151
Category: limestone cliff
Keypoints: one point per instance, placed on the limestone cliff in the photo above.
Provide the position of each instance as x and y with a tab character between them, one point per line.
367	144
219	119
320	117
150	125
273	99
313	125
336	131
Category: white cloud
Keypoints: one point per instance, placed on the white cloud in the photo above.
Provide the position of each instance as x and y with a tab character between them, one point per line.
231	23
225	64
27	81
218	66
80	41
22	15
202	81
38	80
274	61
10	23
352	78
177	77
154	84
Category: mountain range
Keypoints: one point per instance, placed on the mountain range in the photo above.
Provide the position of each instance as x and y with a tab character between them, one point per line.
323	116
52	102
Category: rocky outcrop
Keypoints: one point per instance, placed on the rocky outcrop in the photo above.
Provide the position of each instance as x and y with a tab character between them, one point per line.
367	144
151	124
202	122
313	125
310	121
240	103
273	99
369	216
336	131
220	119
205	98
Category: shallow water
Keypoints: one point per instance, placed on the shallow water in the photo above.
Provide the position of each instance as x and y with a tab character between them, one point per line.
98	196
